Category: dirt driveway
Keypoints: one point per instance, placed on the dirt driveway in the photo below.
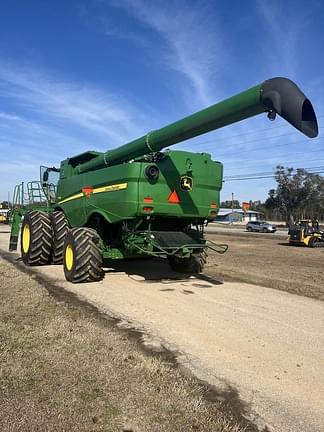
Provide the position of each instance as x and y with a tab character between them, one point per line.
267	260
263	347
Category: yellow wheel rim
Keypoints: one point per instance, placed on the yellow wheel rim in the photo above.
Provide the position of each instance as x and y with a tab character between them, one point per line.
26	238
69	258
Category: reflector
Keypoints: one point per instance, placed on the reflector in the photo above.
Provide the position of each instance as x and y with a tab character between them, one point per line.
173	198
148	209
87	190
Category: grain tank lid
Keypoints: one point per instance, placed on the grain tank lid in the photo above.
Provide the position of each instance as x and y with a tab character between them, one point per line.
282	96
83	157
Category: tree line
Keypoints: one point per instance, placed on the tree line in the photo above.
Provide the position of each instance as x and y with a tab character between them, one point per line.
299	195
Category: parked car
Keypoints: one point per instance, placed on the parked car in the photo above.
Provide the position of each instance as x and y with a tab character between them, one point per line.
261	226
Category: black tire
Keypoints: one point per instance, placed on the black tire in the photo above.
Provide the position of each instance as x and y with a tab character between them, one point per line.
82	244
249	229
193	265
315	242
265	230
60	227
36	238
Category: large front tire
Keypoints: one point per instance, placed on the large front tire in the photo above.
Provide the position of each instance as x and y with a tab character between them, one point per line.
82	258
192	265
36	238
60	228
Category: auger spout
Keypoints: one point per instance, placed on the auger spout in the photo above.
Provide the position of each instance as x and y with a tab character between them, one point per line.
275	96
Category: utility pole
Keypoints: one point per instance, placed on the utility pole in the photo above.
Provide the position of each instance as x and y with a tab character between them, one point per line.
232	206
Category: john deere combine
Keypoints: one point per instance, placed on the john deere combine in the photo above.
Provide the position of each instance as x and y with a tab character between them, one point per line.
139	199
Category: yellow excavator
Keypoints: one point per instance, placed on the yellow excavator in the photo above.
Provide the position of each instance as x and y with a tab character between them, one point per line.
306	232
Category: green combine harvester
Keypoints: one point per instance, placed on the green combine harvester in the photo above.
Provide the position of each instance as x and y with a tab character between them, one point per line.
140	200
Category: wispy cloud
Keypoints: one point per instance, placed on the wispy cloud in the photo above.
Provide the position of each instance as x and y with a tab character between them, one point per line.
46	116
194	46
47	119
193	43
81	105
10	117
282	36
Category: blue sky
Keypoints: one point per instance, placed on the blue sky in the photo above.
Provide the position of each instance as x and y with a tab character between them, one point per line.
79	75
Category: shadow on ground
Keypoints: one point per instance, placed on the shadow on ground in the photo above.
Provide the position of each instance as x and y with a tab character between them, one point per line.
157	271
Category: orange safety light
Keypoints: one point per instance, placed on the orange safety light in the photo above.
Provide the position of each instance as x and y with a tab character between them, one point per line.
148	199
213	205
173	198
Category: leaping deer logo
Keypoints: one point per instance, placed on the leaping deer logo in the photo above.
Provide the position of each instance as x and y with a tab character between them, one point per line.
186	183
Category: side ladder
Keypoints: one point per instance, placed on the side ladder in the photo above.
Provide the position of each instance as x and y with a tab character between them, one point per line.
32	199
16	215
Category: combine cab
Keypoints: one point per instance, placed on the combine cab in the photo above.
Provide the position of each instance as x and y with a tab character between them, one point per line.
306	232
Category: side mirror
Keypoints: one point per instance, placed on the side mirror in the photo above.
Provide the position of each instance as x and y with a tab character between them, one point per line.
45	177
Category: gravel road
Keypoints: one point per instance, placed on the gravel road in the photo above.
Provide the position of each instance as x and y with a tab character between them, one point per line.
266	344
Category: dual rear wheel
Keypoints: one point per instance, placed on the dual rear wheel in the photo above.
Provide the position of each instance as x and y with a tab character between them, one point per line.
36	238
192	265
60	227
46	238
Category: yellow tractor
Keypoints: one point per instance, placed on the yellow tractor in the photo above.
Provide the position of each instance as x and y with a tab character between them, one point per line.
306	232
4	216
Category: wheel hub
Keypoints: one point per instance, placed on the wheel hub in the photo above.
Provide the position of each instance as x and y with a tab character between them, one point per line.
26	238
69	257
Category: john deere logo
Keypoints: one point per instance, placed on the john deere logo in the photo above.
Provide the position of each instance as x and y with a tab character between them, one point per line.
186	183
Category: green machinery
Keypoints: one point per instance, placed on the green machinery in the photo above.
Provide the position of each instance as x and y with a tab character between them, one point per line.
140	200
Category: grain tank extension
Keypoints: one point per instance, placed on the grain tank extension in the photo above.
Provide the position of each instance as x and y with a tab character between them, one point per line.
140	200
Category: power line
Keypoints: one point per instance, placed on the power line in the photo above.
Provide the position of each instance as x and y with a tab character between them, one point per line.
272	176
318	167
270	138
271	146
256	131
244	166
261	177
264	130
